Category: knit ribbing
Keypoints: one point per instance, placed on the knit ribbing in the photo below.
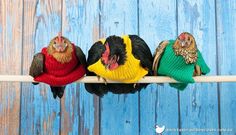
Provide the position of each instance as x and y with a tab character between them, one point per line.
130	72
53	67
58	74
175	67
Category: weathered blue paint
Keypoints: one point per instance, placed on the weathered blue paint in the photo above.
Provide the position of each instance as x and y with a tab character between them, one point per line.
199	102
10	63
80	109
226	38
83	22
0	28
158	104
40	113
119	113
9	29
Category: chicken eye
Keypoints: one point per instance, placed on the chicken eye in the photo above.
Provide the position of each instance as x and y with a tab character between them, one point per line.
113	58
55	45
188	38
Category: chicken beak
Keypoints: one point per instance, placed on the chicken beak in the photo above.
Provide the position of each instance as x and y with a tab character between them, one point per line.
107	66
60	48
182	43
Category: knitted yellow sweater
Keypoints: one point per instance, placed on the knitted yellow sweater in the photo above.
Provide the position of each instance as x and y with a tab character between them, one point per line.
130	72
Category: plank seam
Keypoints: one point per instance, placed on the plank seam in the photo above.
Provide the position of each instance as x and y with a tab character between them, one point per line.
100	36
179	114
217	68
178	94
22	54
139	100
60	120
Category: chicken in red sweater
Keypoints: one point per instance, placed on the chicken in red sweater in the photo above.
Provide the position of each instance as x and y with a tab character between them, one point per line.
58	64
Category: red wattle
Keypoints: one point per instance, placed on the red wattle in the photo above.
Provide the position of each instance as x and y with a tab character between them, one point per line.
113	66
106	54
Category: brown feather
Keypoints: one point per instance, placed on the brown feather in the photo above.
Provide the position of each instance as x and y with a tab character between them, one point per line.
36	67
62	57
197	71
158	53
189	52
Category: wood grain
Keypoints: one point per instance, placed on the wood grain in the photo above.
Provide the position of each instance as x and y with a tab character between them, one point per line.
28	25
226	11
10	63
199	102
119	113
146	79
80	110
40	113
158	103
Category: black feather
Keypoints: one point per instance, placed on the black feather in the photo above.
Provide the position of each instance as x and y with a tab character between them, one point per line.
57	91
96	88
80	55
94	54
141	51
117	47
121	88
54	92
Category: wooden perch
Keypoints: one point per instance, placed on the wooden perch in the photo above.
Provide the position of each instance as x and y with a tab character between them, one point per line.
147	79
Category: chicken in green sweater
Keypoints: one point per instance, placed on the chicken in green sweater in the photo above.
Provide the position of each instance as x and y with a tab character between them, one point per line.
179	59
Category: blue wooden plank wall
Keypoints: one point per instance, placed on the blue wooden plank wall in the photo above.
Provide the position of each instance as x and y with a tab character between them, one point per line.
28	25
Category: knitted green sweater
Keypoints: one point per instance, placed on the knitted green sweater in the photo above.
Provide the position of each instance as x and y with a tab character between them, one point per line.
175	67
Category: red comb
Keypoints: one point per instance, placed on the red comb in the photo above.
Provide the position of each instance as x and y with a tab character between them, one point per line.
182	36
107	48
106	54
59	37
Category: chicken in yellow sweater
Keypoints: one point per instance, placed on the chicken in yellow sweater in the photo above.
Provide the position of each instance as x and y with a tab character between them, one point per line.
125	59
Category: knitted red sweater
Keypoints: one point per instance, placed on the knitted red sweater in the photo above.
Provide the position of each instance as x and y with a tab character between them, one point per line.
58	74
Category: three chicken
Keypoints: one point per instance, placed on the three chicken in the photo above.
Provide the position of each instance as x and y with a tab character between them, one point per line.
125	59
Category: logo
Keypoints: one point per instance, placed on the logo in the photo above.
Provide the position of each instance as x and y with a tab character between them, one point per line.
159	129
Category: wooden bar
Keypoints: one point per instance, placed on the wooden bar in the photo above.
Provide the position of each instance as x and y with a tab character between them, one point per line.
147	79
